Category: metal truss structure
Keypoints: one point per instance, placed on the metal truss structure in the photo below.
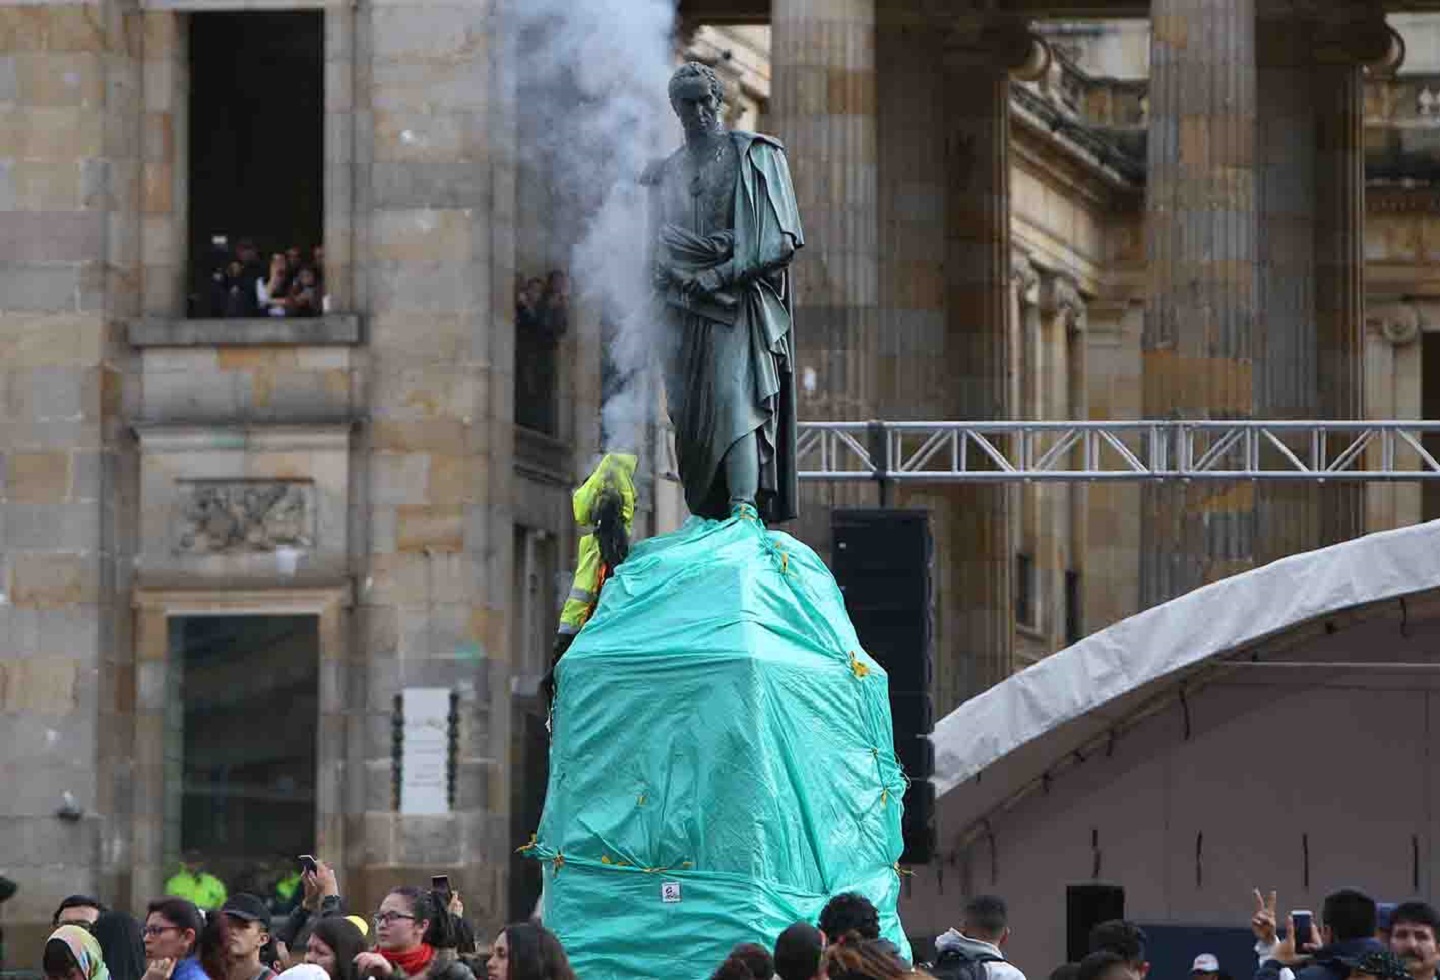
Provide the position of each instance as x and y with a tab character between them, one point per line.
941	452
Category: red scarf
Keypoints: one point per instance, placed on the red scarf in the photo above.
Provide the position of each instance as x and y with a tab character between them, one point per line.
412	962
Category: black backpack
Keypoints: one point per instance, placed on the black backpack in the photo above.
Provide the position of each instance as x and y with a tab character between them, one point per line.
956	964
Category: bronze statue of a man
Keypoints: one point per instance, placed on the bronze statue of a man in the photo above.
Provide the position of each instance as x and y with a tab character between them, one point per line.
726	229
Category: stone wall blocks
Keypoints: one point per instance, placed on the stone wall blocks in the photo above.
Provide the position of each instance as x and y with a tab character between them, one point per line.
425	134
162	36
40	686
430	633
428	287
432	435
38	477
428	529
9	79
422	235
379	845
52	526
189	396
444	34
34	185
53	580
65	393
401	580
51	79
27	736
59	134
428	184
427	840
52	28
398	478
51	236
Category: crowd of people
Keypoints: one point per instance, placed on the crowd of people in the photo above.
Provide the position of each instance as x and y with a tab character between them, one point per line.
415	934
423	934
292	284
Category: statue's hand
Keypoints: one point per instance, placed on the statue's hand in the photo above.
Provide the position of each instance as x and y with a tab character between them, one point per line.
708	282
683	280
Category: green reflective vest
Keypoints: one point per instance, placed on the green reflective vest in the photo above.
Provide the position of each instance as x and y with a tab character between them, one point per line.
615	470
205	890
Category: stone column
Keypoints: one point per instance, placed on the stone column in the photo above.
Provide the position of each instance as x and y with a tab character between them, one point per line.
1286	380
1394	389
980	57
1355	33
1202	239
69	246
1061	517
822	106
436	266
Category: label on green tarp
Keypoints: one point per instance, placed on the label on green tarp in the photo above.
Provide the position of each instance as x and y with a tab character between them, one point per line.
722	761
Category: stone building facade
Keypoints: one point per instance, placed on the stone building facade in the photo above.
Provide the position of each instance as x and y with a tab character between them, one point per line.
982	245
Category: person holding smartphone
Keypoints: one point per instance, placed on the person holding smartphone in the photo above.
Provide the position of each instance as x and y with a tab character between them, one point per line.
1323	951
320	898
414	939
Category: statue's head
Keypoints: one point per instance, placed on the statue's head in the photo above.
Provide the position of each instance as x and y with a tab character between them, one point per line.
696	95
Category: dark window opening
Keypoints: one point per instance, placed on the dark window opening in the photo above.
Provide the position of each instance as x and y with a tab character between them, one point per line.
529	776
256	164
1025	590
542	317
1073	627
240	747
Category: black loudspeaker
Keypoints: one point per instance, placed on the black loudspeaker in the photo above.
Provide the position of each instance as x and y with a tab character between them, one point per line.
882	563
1086	906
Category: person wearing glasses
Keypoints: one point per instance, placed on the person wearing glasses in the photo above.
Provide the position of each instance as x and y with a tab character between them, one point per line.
171	928
77	910
414	936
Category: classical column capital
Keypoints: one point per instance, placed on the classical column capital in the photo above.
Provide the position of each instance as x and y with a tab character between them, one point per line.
1398	322
1060	297
1003	41
1356	33
1025	277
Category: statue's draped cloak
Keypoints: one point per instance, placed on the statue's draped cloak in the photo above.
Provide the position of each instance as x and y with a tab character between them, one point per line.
729	364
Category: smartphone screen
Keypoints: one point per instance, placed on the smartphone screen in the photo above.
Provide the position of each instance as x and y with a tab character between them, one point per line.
441	883
307	863
1303	922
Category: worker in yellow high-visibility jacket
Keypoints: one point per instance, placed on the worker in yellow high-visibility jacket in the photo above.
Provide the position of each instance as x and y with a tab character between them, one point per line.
604	506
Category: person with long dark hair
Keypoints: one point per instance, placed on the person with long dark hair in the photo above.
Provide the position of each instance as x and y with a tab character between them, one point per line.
73	954
212	947
334	943
122	943
414	938
526	951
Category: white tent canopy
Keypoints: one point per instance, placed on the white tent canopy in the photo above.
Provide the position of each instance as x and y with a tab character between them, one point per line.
1077	694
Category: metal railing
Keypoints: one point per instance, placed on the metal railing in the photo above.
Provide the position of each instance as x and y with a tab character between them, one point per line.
930	452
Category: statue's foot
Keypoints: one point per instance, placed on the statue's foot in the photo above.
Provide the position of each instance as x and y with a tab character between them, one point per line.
744	510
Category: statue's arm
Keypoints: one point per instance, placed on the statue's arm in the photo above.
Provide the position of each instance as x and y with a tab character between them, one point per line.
779	235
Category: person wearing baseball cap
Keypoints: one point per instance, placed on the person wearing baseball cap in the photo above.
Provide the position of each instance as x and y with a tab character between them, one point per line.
1205	965
248	932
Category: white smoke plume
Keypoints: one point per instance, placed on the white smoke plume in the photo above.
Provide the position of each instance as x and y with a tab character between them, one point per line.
593	77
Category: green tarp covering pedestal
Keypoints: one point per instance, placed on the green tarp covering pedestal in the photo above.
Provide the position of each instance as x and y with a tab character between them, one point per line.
722	761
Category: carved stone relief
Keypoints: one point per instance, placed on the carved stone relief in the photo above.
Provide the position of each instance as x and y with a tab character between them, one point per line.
238	516
1061	297
1399	323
